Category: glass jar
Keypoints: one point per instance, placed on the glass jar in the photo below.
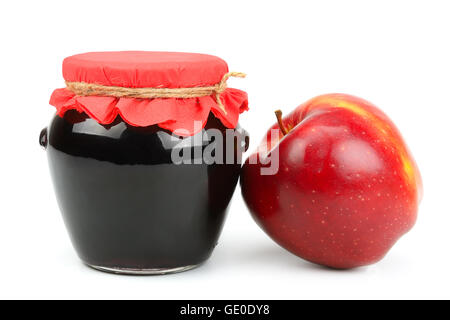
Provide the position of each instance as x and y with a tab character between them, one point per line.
140	199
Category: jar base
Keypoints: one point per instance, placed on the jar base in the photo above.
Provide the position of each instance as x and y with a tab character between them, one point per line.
142	272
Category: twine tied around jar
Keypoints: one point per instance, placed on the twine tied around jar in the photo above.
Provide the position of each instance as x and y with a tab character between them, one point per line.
92	89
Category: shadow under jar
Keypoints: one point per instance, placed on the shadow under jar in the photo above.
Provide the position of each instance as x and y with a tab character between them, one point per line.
128	205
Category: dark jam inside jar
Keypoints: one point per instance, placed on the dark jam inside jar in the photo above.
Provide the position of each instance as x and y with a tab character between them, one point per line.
126	205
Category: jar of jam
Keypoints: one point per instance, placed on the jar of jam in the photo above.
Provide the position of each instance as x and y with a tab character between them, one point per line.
145	152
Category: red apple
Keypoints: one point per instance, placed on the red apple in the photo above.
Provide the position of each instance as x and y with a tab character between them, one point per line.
347	187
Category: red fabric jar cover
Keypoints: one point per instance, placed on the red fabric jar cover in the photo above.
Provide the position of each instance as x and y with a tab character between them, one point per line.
140	69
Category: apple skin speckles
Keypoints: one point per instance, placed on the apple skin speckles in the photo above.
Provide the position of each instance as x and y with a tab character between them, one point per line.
349	187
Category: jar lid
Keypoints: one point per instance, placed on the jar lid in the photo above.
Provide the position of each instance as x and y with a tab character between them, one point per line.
174	90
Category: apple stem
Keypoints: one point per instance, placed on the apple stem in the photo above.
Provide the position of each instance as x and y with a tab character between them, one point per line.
279	115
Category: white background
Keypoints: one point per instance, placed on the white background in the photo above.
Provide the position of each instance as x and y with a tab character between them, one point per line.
393	53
